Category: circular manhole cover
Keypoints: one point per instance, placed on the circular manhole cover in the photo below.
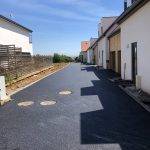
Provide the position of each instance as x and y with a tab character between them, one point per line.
25	104
48	103
67	92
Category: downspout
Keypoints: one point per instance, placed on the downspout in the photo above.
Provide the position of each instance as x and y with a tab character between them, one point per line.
124	71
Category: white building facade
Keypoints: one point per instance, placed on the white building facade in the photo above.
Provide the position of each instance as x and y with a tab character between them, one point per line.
90	56
90	52
102	56
108	26
12	33
135	44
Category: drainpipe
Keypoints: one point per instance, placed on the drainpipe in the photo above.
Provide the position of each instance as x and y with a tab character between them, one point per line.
124	71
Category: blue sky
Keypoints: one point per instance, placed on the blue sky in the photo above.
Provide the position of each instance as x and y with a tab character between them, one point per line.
60	25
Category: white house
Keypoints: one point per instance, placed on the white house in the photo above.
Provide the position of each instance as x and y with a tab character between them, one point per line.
12	33
135	43
90	56
107	26
90	51
84	48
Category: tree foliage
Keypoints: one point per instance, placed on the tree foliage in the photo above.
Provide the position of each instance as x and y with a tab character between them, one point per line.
61	58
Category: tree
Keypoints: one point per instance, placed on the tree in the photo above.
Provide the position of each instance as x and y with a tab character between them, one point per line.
61	58
56	58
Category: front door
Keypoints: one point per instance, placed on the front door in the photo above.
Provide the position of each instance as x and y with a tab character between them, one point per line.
113	60
134	61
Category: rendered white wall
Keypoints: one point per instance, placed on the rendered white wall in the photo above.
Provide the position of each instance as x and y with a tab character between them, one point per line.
88	56
11	34
91	56
103	45
137	29
106	22
95	52
99	53
2	88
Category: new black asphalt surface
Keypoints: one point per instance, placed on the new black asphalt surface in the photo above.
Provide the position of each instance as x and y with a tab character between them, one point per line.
96	116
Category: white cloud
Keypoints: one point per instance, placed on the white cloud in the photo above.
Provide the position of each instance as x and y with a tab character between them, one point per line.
84	10
92	8
67	15
40	8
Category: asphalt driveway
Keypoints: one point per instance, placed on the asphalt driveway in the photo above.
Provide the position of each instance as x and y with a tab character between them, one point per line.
96	116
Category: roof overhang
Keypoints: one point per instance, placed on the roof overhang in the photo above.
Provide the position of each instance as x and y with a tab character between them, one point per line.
15	23
115	32
131	10
125	15
106	31
94	45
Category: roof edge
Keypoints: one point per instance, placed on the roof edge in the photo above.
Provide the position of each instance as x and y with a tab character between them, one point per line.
15	23
131	10
115	32
115	21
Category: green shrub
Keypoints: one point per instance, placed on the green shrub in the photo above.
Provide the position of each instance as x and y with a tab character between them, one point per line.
61	58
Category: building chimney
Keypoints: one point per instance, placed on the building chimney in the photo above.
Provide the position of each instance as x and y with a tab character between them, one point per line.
125	5
133	1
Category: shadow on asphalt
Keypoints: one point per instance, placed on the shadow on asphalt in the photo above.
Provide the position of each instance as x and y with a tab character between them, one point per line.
121	121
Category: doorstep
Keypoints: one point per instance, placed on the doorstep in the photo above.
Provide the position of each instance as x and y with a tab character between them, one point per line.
4	101
133	93
129	88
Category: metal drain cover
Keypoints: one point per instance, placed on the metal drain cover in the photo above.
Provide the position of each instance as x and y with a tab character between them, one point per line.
67	92
25	104
48	103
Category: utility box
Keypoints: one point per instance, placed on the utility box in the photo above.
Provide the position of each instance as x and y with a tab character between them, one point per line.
138	82
2	88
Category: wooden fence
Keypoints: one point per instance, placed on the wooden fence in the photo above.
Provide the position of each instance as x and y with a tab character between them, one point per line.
14	63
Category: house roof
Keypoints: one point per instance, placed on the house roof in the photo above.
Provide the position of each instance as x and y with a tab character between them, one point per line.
104	33
131	10
93	45
115	32
15	23
85	45
126	14
108	27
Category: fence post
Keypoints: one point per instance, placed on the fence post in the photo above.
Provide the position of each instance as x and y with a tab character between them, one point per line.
3	95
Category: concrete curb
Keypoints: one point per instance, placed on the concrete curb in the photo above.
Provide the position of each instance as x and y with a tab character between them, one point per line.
138	100
29	75
22	88
8	98
135	98
4	101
